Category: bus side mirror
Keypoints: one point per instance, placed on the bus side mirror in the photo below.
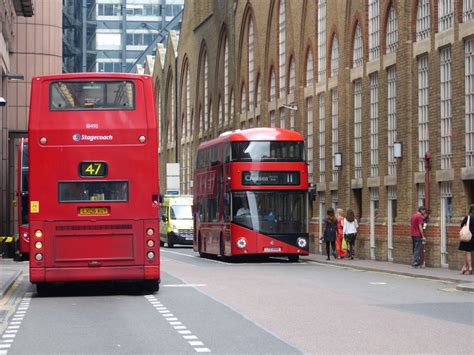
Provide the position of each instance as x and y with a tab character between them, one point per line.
164	218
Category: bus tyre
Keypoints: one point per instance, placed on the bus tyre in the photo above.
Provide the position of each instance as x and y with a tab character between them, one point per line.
293	258
43	289
170	243
151	286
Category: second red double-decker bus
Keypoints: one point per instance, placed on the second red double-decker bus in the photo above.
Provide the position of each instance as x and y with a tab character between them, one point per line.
22	244
251	194
94	199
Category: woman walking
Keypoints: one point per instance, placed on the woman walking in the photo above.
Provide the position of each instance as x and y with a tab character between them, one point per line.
341	253
349	228
329	234
468	247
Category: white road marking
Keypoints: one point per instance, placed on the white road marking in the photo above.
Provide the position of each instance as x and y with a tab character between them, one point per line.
5	346
195	256
178	326
378	283
8	335
13	326
184	285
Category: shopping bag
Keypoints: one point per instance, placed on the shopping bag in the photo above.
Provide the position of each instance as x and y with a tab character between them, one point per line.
344	245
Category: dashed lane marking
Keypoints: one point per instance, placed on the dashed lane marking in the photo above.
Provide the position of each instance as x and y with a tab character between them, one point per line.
184	285
8	336
192	339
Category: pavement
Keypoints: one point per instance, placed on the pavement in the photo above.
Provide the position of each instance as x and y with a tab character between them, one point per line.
10	270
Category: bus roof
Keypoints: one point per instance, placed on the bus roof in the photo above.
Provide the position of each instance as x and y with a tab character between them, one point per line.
91	75
254	134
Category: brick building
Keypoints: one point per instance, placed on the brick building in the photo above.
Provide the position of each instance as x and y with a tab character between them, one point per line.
388	86
30	44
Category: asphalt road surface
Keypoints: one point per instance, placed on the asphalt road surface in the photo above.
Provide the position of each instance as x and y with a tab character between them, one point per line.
252	307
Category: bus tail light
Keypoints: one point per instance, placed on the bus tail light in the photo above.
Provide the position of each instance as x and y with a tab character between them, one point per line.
142	139
43	140
150	232
39	257
38	233
150	243
241	243
150	255
38	245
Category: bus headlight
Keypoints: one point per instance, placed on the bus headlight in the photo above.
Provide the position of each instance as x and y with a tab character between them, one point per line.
39	257
38	233
150	255
241	243
302	242
38	245
150	232
150	243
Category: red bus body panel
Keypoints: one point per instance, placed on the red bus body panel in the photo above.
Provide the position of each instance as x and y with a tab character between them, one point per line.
112	246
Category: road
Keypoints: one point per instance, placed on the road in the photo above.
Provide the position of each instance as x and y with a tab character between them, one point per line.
255	307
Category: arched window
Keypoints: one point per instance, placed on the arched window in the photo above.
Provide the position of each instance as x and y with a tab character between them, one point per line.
272	85
251	63
321	40
243	99
423	20
445	14
226	81
221	117
292	83
282	46
392	31
467	10
206	92
309	69
334	57
374	32
188	104
358	51
259	92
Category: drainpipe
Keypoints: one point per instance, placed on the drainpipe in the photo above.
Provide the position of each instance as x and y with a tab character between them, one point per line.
428	156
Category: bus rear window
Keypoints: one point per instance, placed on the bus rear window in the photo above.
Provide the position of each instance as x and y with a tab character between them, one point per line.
92	95
90	191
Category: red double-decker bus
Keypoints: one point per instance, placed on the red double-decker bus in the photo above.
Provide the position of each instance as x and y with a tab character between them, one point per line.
94	199
22	244
251	194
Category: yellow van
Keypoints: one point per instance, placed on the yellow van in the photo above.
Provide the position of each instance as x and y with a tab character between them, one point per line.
176	225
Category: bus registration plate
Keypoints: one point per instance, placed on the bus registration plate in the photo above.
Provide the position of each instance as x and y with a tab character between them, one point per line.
272	250
87	211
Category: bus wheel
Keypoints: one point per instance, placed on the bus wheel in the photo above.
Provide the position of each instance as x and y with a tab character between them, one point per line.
43	289
151	286
293	258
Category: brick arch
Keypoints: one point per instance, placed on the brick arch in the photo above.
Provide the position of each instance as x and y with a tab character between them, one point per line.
269	85
200	85
357	21
248	15
223	37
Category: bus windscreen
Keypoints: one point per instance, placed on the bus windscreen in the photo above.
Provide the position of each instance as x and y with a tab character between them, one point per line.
92	95
91	191
257	151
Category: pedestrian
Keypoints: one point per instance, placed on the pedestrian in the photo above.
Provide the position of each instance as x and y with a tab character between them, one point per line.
341	252
330	231
349	228
468	247
417	235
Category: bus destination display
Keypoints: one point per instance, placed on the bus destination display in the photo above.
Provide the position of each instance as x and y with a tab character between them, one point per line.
260	178
92	169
